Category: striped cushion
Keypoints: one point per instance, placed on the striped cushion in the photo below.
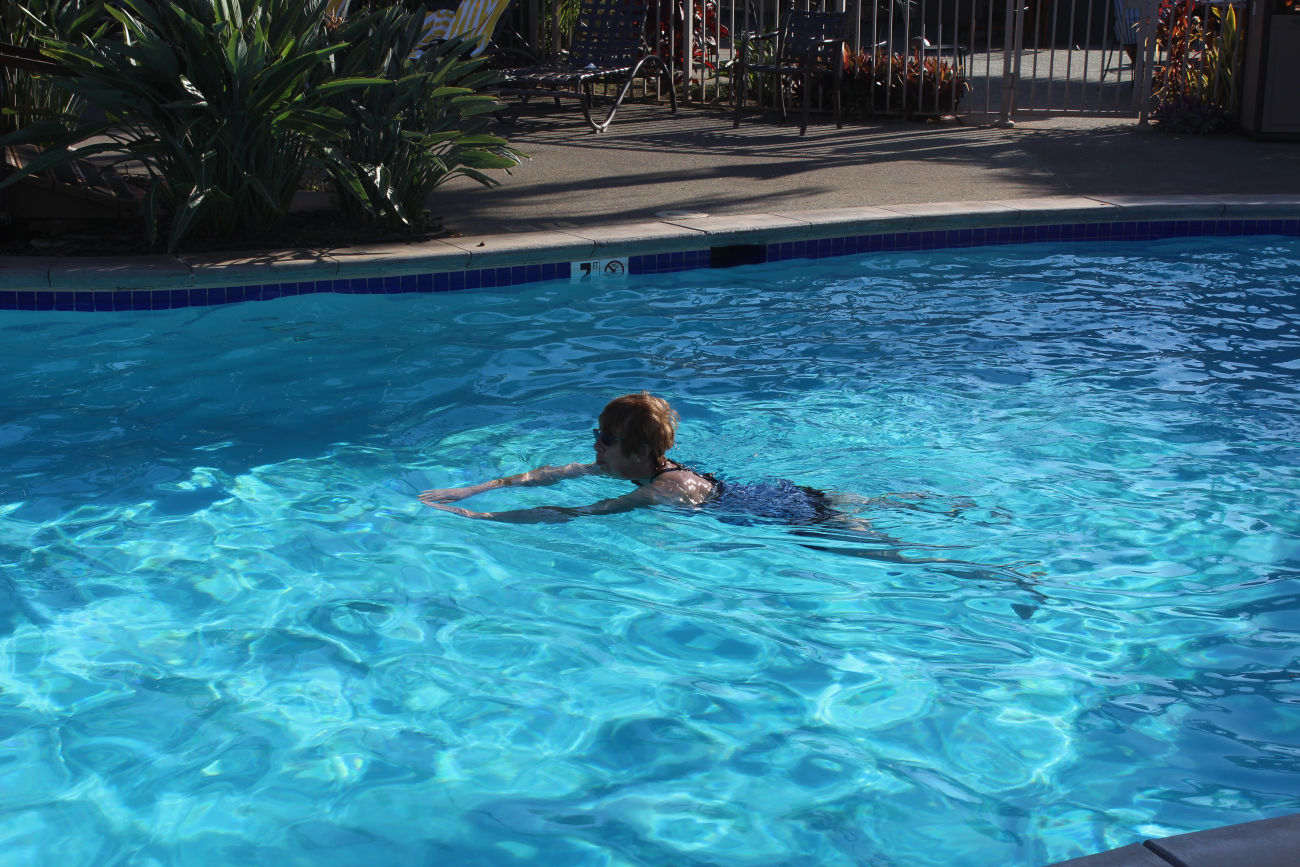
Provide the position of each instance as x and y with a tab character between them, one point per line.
470	18
1126	22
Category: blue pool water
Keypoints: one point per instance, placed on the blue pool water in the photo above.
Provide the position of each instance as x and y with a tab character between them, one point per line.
230	635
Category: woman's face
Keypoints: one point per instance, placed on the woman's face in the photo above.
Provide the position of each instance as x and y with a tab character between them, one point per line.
616	462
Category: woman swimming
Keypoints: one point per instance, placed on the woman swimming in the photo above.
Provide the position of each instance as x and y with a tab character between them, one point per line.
635	431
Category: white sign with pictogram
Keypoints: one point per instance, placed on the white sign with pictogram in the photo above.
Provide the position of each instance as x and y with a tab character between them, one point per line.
597	270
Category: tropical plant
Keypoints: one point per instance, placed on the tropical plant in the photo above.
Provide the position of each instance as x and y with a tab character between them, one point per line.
430	125
223	103
876	81
227	104
26	97
1195	88
758	51
565	12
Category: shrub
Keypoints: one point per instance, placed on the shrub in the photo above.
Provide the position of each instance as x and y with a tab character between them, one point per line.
670	41
212	98
404	140
26	98
228	103
885	81
1195	88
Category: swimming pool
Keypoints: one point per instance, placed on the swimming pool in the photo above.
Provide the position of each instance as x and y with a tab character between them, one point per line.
229	634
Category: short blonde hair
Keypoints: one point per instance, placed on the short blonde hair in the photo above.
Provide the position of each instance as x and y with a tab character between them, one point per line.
641	420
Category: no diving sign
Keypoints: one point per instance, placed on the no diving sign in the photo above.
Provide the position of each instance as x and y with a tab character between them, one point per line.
597	270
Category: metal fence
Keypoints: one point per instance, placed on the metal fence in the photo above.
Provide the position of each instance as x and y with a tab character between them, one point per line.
1085	57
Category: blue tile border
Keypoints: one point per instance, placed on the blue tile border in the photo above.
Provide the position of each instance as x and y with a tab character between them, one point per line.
649	263
1144	230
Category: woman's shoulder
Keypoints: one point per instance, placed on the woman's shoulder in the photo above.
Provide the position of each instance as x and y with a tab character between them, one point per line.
686	484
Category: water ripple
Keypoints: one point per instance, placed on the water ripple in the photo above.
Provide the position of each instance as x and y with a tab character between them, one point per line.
1060	608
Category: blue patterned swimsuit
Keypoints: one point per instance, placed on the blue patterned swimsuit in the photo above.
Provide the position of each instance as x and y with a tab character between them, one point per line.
775	499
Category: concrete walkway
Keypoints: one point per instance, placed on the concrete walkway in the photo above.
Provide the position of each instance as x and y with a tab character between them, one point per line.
651	161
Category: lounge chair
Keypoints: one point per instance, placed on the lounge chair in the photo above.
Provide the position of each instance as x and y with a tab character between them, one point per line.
808	48
609	46
1127	16
472	18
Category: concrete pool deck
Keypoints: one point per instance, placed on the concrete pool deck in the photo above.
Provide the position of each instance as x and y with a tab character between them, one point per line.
672	243
1265	843
657	183
650	162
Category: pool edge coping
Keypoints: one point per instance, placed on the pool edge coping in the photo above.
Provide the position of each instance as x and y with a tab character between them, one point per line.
386	262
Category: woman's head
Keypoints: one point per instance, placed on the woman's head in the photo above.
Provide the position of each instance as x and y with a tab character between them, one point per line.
640	420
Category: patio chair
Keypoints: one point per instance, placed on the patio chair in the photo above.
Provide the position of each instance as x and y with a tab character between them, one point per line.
609	46
471	18
808	48
1127	15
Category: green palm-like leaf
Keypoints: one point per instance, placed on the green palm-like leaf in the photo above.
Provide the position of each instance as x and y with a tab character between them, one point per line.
226	104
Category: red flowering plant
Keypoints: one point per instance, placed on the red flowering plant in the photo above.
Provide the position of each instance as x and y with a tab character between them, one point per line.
881	81
670	40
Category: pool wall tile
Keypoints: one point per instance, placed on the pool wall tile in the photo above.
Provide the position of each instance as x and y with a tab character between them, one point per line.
850	222
746	228
28	272
210	270
1136	207
1258	206
524	248
1059	209
119	272
638	239
646	264
381	260
163	282
947	215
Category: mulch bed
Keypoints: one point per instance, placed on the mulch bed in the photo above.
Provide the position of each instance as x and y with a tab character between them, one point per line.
306	230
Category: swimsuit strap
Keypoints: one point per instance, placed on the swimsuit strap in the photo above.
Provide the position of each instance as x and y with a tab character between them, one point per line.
675	468
678	468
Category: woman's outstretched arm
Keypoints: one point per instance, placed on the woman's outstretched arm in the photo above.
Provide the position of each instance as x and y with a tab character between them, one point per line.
646	496
539	476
